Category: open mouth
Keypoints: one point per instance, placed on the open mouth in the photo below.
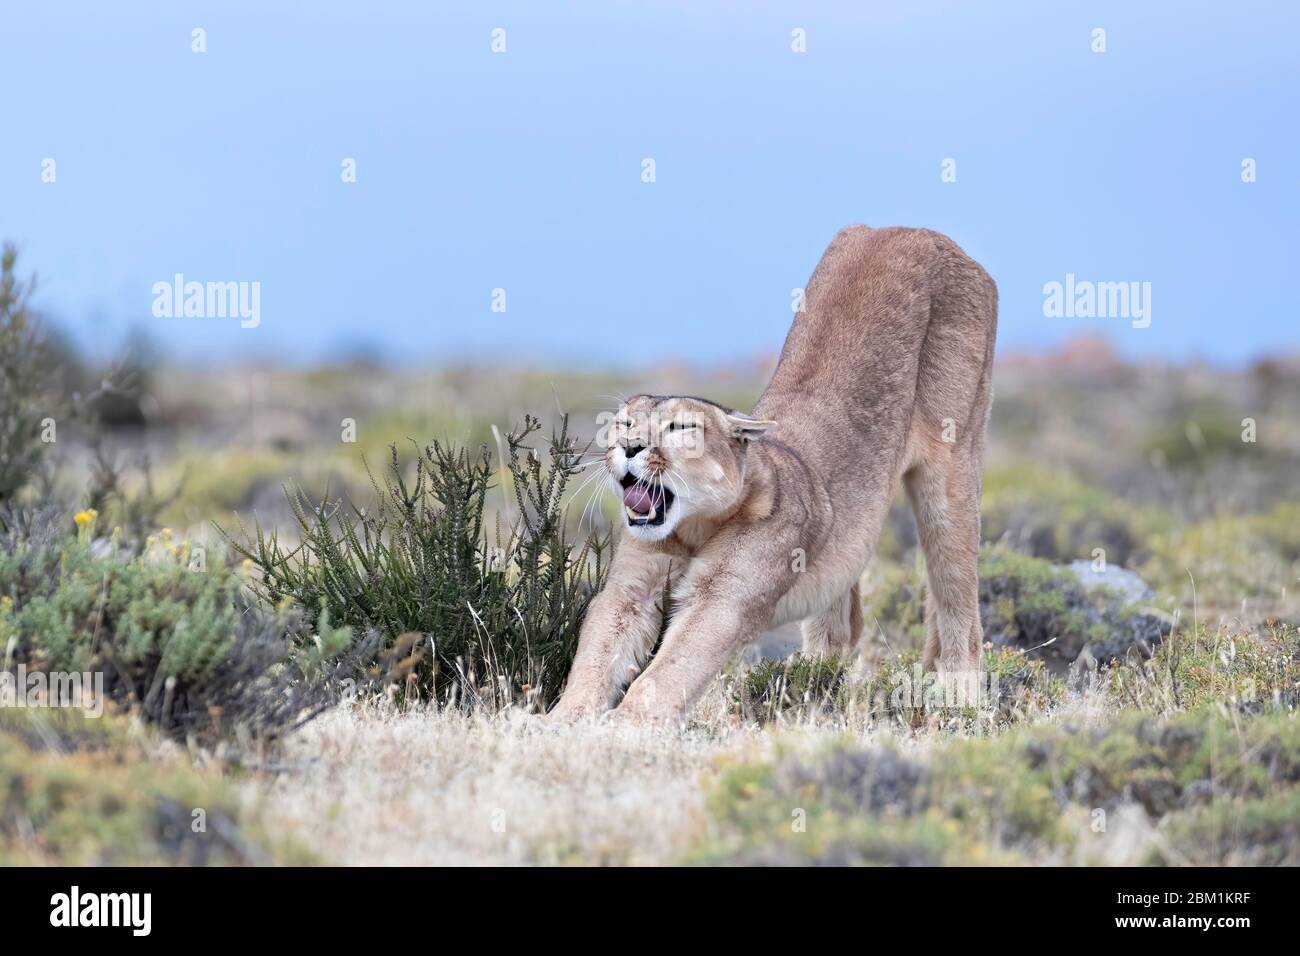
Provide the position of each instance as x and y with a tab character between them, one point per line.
645	501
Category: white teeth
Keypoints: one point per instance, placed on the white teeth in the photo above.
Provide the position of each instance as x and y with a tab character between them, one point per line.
638	516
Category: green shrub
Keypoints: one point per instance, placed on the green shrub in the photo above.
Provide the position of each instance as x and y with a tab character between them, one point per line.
1230	831
896	691
1251	671
169	630
1032	795
796	687
23	399
501	610
1055	516
79	792
1224	560
1026	604
1207	432
1031	603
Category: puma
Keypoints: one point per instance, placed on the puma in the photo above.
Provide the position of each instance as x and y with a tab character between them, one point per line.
754	520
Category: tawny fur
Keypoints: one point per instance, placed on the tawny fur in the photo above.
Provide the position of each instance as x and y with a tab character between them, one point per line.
885	376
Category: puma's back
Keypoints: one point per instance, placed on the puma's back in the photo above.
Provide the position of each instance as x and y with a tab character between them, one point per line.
897	329
867	309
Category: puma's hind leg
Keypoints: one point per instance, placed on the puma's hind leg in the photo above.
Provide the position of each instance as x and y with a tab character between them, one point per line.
835	631
945	498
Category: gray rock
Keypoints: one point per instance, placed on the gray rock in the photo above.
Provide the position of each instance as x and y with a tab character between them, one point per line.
1102	616
778	643
1123	582
1091	618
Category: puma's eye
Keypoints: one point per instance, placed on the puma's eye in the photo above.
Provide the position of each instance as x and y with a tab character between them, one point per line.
626	423
681	426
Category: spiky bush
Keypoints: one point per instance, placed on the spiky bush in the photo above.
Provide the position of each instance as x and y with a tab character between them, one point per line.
499	604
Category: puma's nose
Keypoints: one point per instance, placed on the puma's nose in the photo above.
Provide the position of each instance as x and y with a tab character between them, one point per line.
633	450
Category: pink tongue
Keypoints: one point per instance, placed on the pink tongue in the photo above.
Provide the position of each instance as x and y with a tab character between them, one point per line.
638	499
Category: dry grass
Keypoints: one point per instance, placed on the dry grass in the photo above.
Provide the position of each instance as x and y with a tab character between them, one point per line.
377	783
422	787
374	784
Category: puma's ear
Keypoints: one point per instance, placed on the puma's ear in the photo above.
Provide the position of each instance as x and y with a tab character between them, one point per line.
744	427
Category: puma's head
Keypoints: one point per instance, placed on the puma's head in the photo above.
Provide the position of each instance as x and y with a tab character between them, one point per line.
671	457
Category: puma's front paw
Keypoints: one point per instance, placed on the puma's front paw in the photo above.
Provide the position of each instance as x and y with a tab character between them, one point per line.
961	680
645	709
574	708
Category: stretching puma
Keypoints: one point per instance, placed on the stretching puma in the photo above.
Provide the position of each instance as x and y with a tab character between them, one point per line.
759	520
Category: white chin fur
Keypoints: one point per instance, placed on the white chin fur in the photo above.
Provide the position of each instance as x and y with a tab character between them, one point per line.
658	532
653	532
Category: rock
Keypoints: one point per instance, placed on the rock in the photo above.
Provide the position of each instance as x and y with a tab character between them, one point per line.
1062	614
1121	581
778	643
1057	613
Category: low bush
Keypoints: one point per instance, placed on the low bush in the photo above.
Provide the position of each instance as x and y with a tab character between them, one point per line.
1216	563
169	630
1219	790
1208	431
797	687
1026	604
1251	671
82	792
822	689
1055	516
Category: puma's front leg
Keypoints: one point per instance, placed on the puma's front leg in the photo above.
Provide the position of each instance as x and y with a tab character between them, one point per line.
618	632
724	605
697	645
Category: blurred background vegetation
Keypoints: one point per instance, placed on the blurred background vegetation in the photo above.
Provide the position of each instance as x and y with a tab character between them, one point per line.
1087	451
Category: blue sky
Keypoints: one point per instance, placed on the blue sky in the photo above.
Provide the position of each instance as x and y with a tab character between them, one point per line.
522	170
